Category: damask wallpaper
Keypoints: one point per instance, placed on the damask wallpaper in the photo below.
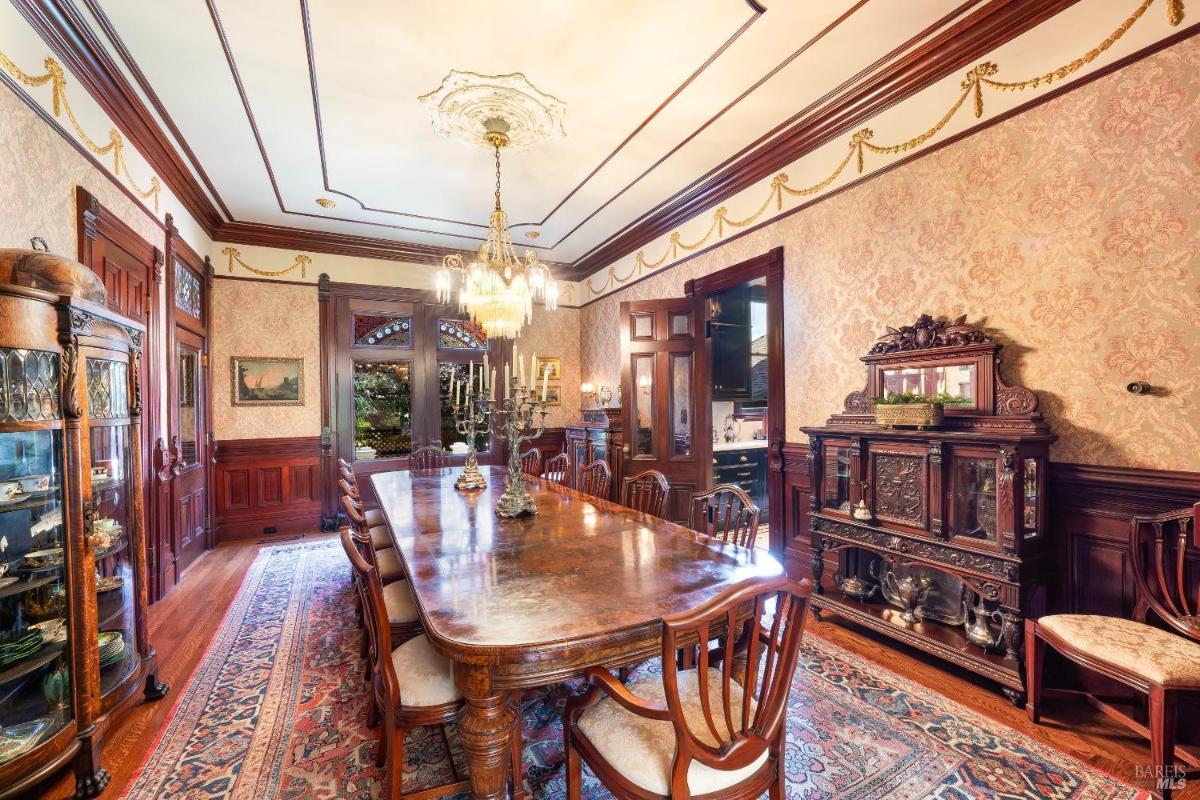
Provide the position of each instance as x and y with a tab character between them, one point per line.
250	318
1070	231
556	334
39	171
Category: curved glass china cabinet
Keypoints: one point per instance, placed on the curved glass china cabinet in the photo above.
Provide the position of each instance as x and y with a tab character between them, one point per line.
73	646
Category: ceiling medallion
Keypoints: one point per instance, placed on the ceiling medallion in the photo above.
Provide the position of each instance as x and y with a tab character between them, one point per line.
494	286
325	202
465	101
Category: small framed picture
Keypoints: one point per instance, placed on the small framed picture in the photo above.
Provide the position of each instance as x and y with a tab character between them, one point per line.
263	381
555	368
553	395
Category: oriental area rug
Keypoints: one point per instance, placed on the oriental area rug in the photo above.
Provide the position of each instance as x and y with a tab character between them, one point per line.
277	709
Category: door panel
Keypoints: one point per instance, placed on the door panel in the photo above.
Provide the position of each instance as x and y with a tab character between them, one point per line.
658	390
190	438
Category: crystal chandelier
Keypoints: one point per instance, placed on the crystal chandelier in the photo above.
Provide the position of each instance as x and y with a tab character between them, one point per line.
496	287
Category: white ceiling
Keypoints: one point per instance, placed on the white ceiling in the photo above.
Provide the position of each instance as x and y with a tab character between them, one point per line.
634	136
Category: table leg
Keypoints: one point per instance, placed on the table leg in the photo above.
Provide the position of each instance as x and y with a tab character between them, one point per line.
485	727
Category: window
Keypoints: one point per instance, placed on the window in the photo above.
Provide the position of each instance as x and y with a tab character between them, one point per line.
383	330
382	409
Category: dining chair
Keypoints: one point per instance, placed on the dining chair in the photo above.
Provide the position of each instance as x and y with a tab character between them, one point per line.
557	469
428	459
373	516
717	730
412	686
531	462
1162	663
594	479
726	513
383	557
646	492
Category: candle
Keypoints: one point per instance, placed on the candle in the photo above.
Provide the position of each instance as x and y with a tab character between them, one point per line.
483	372
471	375
533	371
454	387
492	383
507	380
521	370
545	380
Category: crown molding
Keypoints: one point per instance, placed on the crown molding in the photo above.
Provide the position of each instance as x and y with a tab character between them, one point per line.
961	44
344	244
64	30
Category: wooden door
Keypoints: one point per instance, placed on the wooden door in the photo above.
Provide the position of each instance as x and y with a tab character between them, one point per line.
659	390
131	269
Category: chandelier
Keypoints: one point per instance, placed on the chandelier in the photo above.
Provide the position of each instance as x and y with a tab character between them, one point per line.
495	286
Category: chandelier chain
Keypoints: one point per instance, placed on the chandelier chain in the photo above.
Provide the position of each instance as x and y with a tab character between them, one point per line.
496	147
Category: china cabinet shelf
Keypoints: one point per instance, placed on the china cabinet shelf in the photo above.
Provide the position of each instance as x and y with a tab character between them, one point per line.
26	585
27	503
39	659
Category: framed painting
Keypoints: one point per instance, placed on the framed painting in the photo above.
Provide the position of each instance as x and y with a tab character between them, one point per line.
553	396
264	381
555	367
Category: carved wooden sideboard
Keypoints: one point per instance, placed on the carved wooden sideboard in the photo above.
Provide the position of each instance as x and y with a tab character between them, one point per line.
940	534
598	436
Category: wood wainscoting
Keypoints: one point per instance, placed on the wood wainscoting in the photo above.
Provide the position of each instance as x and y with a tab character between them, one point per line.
267	486
1089	513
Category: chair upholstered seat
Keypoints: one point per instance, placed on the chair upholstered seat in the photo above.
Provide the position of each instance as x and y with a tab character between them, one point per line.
399	602
642	749
374	516
424	674
1148	652
380	537
390	568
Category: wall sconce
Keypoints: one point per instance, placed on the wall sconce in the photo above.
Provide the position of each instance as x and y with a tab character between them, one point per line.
588	393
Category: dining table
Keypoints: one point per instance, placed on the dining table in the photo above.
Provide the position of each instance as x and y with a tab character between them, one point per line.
520	603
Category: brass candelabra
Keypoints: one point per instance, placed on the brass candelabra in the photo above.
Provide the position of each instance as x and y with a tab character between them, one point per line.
470	420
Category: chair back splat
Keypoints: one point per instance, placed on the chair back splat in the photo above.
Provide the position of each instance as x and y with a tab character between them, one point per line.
726	513
594	479
557	469
646	492
1165	555
531	462
428	459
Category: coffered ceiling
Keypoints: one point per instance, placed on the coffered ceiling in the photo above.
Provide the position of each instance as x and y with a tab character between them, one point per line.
269	105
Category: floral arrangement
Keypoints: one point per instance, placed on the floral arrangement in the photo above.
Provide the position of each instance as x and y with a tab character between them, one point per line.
914	398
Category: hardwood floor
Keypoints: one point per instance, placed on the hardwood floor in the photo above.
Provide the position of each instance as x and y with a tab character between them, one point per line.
182	625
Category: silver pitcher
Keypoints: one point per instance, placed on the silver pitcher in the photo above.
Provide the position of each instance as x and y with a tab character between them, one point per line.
975	623
912	593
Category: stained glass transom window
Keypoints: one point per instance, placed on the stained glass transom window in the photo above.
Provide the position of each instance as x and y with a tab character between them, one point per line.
187	290
108	389
28	385
382	330
461	334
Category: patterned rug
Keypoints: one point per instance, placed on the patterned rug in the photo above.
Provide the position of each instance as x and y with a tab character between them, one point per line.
276	709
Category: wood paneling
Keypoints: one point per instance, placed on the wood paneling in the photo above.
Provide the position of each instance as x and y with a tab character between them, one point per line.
264	484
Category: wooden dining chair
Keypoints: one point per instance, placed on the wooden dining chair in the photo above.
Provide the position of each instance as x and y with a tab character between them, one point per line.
594	479
531	462
428	459
726	513
557	469
727	717
646	492
383	557
373	516
1162	663
412	686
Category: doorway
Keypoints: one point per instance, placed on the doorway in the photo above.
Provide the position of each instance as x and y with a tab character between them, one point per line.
702	382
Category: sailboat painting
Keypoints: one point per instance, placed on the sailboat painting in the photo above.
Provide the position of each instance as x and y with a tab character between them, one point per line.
267	381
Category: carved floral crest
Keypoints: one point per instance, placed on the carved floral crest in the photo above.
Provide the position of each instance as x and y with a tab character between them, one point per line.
928	332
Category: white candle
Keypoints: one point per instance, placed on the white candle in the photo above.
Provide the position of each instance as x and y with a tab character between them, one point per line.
454	386
492	383
533	371
520	370
483	372
545	380
471	375
507	379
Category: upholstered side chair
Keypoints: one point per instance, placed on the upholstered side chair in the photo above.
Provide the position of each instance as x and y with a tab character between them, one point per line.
1159	661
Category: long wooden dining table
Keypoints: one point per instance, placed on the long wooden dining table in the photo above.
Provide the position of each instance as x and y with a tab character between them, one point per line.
517	603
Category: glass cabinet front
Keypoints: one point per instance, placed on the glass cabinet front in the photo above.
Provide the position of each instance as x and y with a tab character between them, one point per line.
109	518
35	692
973	495
835	478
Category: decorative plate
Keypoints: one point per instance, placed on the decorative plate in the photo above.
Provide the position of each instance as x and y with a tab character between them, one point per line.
53	630
109	583
8	582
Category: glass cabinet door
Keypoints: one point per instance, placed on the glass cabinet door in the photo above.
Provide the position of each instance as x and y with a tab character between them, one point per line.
109	518
1031	496
973	497
835	477
35	689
